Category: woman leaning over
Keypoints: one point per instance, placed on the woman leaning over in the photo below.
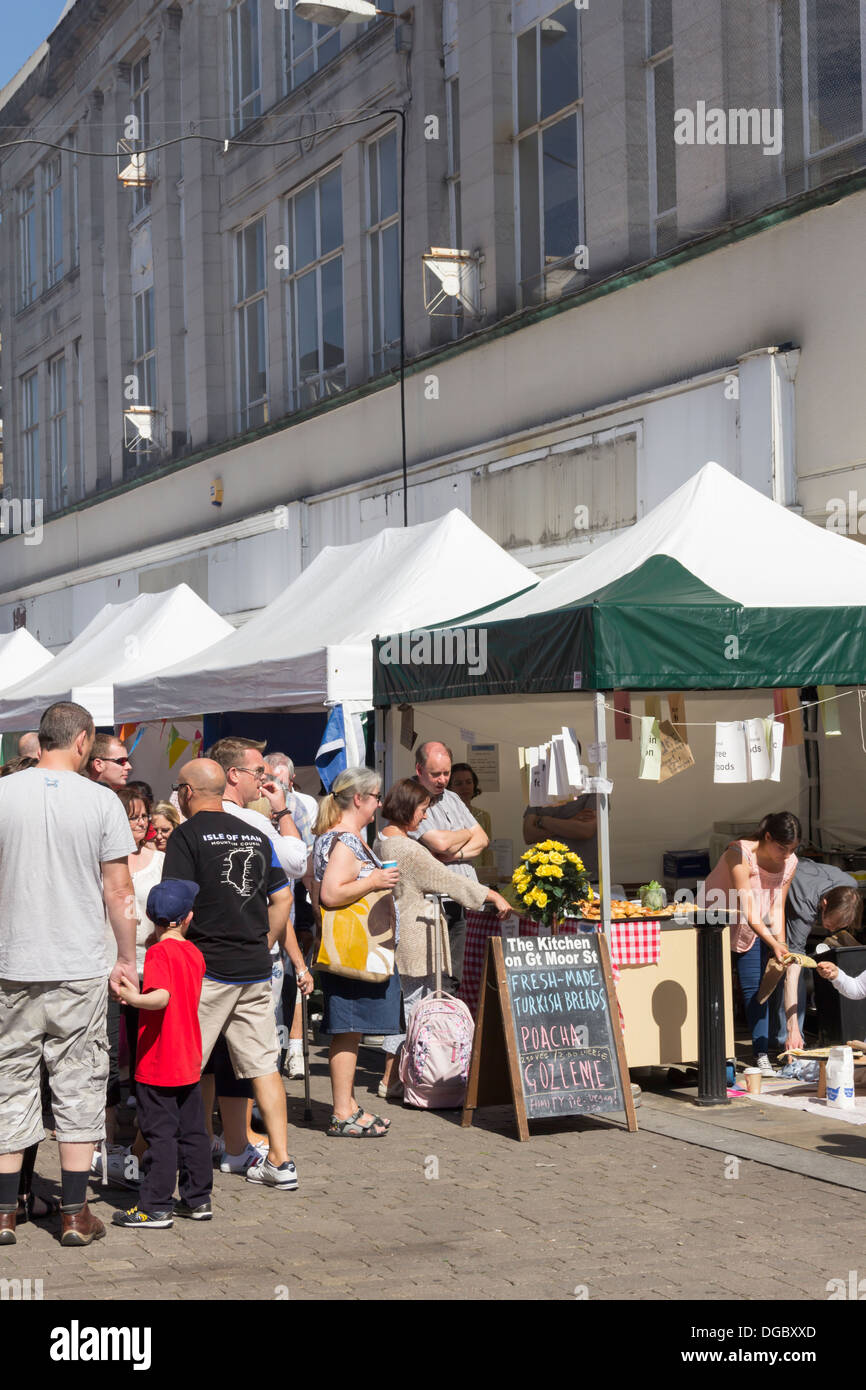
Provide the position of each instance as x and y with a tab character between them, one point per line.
754	876
344	870
420	872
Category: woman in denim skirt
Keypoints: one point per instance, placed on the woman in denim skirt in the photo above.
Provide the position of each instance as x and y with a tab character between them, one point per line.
345	870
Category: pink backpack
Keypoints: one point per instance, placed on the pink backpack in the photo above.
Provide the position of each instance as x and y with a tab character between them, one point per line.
434	1065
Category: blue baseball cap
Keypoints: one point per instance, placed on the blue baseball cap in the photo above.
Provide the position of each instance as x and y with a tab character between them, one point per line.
171	900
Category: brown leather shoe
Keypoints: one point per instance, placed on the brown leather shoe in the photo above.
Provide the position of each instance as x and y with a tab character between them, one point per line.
80	1227
7	1227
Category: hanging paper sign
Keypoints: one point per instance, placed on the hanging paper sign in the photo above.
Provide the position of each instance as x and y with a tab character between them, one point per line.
557	778
652	705
538	776
731	760
597	753
650	749
467	735
786	703
829	712
484	758
758	749
622	720
774	735
523	766
676	754
677	707
573	770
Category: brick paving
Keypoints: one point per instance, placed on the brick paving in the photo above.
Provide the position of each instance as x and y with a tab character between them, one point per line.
582	1206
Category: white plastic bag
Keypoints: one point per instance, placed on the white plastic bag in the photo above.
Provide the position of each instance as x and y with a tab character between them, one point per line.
840	1078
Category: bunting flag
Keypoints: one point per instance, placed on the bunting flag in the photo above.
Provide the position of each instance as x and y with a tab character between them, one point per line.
176	746
650	749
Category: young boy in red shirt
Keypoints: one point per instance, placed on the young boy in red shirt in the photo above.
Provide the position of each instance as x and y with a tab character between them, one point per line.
169	1109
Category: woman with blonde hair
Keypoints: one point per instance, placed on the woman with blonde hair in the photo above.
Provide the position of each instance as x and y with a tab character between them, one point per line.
164	820
344	870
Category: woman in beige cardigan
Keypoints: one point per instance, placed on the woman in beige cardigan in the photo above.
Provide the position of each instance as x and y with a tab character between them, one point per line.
404	808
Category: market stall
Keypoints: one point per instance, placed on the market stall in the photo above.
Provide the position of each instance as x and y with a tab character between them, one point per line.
310	647
718	589
124	640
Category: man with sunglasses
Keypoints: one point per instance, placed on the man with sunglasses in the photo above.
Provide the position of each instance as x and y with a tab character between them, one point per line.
109	762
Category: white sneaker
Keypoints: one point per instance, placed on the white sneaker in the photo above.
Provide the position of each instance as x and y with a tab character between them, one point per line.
239	1163
765	1066
116	1155
285	1177
293	1067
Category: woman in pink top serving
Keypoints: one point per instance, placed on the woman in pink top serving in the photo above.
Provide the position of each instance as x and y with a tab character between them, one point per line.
754	876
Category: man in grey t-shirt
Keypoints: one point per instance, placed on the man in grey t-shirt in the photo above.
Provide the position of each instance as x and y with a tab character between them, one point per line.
451	832
64	843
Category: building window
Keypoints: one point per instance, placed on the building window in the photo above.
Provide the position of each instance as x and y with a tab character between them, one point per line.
139	85
27	263
58	482
244	63
660	125
549	155
144	348
73	164
316	290
383	239
252	317
31	477
307	47
52	220
832	59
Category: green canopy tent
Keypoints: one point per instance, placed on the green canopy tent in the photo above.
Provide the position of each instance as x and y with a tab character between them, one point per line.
718	588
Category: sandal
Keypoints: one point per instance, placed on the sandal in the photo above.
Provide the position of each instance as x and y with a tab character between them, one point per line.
353	1128
26	1208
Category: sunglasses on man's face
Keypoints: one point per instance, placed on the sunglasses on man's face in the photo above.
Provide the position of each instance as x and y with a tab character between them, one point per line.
179	787
123	762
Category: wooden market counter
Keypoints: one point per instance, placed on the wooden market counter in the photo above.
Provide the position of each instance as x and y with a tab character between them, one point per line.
658	998
660	1002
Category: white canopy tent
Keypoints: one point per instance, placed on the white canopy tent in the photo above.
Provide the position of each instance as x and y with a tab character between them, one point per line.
312	645
21	656
123	640
727	535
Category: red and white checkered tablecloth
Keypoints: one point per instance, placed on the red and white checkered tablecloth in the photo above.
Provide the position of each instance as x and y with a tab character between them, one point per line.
635	943
631	943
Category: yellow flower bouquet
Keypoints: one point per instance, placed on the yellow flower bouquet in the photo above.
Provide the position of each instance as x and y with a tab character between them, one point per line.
549	882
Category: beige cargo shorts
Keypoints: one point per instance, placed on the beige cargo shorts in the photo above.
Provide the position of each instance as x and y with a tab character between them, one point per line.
64	1024
244	1014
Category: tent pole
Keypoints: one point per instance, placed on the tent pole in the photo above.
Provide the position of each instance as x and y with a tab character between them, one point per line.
603	812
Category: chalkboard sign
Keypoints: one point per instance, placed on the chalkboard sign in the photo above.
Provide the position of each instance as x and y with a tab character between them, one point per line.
548	1034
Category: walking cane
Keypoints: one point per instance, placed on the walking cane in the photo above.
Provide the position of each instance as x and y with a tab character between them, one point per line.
308	1108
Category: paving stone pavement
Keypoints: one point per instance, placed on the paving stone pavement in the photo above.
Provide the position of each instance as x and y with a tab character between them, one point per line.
583	1209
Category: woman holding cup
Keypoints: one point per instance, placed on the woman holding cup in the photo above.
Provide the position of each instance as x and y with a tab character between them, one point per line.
345	870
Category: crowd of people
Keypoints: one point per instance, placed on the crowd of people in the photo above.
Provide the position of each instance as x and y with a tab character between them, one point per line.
187	925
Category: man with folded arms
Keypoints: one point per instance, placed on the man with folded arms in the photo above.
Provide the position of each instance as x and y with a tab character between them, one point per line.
64	842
